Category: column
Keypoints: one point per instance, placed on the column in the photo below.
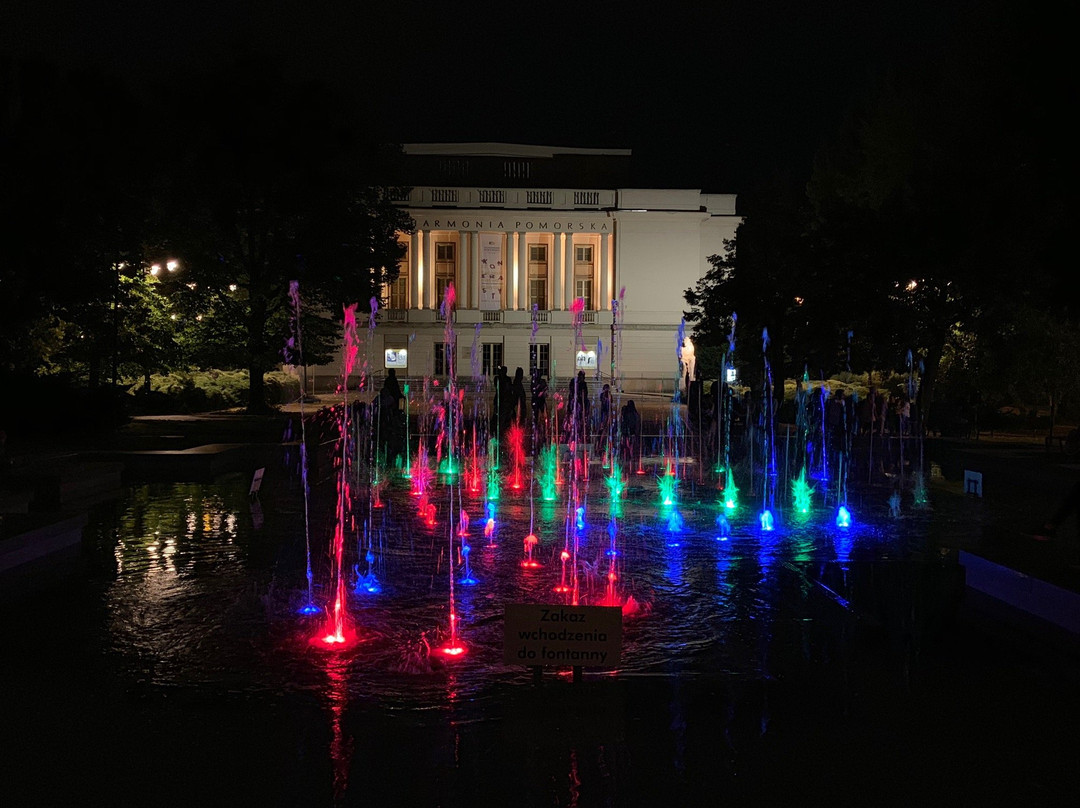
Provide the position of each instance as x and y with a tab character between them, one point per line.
474	269
509	273
429	269
523	273
568	292
605	273
416	270
461	283
556	297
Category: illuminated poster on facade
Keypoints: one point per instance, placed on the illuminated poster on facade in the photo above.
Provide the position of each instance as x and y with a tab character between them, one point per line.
491	271
585	360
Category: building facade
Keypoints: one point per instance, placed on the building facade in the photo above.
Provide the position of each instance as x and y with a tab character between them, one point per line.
520	239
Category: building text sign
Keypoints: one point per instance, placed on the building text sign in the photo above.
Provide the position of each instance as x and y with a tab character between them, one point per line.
491	273
541	634
537	224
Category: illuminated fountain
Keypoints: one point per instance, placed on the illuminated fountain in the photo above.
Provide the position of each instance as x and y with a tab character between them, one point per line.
338	631
596	561
295	354
453	647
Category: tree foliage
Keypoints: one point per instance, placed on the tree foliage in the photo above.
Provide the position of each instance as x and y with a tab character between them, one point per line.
935	220
272	185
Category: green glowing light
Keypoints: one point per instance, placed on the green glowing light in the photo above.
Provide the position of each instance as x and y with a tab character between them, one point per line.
616	488
668	484
549	461
731	495
800	492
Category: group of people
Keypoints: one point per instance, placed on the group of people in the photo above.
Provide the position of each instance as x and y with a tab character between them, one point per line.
576	424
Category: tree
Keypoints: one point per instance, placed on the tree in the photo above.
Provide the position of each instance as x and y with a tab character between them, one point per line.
943	192
271	184
760	282
1035	358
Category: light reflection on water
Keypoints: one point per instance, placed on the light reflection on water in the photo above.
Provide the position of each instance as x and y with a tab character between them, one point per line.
200	591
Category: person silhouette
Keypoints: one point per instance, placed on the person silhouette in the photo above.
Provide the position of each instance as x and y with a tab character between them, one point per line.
578	402
603	427
539	408
630	429
518	406
503	408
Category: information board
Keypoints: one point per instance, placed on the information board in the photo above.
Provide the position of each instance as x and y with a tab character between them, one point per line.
569	636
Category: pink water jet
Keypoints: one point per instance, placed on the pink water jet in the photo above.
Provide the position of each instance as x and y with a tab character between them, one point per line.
336	632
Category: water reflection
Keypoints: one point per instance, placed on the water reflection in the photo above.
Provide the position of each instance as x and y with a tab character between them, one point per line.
200	593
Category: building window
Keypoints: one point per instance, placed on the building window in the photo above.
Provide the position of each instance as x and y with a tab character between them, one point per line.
445	268
455	168
492	357
516	169
539	358
583	289
538	274
397	296
397	292
440	359
583	274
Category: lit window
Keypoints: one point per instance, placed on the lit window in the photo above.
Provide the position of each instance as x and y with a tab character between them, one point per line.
538	274
583	274
540	357
492	355
445	267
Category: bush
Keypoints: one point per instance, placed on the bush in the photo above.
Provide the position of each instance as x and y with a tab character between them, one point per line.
201	391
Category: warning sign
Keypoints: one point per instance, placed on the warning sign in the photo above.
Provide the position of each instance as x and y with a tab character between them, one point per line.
585	636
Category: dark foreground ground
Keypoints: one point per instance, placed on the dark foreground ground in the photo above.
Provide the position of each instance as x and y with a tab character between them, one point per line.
982	710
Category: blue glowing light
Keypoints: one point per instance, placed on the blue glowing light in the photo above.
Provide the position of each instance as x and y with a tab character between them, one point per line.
675	522
766	520
724	526
368	585
843	517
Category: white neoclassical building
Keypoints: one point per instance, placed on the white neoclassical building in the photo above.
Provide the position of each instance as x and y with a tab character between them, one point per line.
522	232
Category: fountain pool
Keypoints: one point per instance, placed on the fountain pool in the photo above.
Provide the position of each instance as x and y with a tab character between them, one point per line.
176	644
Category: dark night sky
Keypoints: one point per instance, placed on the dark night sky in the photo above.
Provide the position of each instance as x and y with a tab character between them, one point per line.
707	94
